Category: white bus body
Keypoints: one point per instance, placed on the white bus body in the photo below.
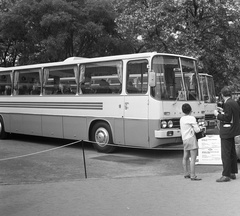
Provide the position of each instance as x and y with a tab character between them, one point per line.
140	105
209	95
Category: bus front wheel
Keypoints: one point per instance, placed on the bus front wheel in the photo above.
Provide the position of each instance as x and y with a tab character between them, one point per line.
3	134
101	135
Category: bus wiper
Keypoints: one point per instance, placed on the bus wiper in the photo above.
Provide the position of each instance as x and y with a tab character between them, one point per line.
199	101
182	95
176	100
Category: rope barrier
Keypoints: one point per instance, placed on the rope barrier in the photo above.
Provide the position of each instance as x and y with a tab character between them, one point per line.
39	152
73	143
69	144
48	150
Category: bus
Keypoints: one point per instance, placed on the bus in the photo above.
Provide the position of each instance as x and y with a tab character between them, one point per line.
236	95
210	103
132	100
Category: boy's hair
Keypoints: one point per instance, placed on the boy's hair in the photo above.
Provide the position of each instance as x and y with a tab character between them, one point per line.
186	108
226	91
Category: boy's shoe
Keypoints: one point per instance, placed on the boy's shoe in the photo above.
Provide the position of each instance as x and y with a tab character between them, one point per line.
195	178
223	179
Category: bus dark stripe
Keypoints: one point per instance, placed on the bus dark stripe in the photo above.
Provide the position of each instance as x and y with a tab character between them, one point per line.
54	105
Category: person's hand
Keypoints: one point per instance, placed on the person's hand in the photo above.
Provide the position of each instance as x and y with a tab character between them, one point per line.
220	109
215	112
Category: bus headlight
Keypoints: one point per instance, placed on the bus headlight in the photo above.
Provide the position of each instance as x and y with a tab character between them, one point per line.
170	124
163	124
201	122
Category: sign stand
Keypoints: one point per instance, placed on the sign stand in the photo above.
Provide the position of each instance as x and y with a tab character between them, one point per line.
209	151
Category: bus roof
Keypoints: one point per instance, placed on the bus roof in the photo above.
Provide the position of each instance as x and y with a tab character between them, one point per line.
79	60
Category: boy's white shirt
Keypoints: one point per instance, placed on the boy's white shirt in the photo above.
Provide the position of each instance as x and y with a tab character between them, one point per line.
188	126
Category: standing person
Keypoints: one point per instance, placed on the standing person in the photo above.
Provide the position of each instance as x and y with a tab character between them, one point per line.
189	126
238	101
229	118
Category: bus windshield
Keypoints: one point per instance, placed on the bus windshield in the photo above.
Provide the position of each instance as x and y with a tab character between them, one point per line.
175	78
208	89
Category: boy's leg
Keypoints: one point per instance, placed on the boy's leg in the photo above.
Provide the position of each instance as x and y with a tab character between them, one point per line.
185	162
193	153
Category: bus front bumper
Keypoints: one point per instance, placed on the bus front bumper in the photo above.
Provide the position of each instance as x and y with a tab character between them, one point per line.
211	123
167	133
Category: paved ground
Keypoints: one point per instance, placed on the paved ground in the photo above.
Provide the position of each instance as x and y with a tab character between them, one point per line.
140	196
129	196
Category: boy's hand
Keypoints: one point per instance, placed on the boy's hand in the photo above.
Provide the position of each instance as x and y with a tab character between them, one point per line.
215	112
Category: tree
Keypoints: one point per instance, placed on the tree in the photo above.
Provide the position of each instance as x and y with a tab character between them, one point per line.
209	33
34	31
148	24
11	33
205	29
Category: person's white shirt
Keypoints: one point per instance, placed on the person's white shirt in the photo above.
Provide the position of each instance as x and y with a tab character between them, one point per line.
188	126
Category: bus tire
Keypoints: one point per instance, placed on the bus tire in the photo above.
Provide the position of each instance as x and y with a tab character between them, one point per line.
3	134
101	135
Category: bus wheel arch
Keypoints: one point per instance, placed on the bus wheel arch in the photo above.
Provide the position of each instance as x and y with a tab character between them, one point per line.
101	135
3	133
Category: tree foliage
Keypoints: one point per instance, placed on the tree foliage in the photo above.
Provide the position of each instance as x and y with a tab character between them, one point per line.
33	31
205	29
52	30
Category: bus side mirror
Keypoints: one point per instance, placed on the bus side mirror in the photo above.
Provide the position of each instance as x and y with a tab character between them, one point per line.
152	79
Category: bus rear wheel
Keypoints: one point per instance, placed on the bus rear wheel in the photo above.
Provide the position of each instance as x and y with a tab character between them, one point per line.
3	134
101	135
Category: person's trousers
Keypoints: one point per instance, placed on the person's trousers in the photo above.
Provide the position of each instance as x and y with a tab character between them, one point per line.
229	157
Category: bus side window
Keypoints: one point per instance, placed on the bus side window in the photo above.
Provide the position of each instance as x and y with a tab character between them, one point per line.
23	90
103	87
137	77
60	80
106	78
86	86
25	80
2	89
36	88
7	90
5	84
67	89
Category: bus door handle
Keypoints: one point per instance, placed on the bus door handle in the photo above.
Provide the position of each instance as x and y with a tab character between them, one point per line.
126	105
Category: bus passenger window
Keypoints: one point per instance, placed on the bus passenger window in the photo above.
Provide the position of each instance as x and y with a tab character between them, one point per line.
60	80
131	88
66	89
36	88
106	78
2	89
57	88
25	82
5	84
23	90
7	90
86	86
137	77
103	87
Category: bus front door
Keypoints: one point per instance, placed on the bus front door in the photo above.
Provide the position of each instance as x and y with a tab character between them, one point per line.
136	120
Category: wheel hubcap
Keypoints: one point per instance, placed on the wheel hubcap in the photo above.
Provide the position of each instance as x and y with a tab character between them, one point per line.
102	137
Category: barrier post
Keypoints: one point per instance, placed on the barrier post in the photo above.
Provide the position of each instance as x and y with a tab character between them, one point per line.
84	161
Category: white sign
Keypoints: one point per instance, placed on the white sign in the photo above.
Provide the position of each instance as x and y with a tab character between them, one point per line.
209	151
